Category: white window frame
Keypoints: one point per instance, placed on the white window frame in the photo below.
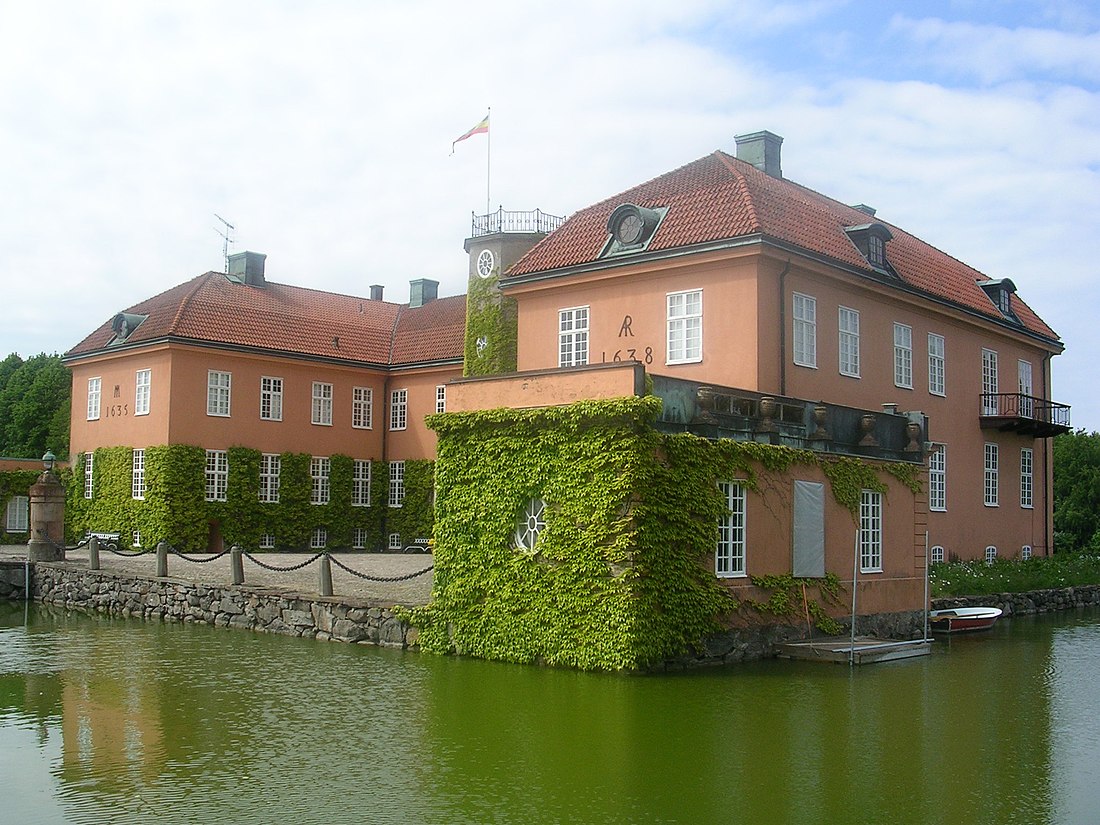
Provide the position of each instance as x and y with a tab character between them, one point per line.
870	531
137	479
1025	552
271	465
95	395
573	326
362	408
267	541
399	409
990	554
394	541
359	537
18	515
848	344
89	474
321	408
217	475
318	538
320	468
729	552
219	393
937	364
143	384
938	554
397	484
684	325
1026	382
804	329
360	483
937	478
991	474
271	398
903	356
441	398
1027	478
530	524
990	405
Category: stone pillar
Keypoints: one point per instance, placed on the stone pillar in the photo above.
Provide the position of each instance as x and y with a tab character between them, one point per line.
47	519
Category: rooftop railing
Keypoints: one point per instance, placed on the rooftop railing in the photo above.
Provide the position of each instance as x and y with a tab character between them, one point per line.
508	221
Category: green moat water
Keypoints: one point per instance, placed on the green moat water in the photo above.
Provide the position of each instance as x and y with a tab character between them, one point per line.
110	720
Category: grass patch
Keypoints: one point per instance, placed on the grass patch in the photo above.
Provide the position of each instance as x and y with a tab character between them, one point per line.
976	578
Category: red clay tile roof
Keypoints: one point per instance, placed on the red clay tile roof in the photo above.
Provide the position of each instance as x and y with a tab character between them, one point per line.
719	197
210	308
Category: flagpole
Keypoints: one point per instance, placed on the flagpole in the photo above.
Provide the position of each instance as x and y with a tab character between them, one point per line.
488	159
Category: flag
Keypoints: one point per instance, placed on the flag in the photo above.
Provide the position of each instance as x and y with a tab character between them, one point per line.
482	128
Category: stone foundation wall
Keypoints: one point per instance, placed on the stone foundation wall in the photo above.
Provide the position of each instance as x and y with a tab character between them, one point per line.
13	576
1034	601
262	610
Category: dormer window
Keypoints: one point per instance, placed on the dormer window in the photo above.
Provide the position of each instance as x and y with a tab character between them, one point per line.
1000	293
630	228
123	324
870	239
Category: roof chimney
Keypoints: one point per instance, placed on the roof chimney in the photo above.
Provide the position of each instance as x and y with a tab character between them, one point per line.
422	291
865	209
761	149
247	268
376	292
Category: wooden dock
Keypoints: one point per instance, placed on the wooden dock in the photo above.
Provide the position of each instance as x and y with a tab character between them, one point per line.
867	650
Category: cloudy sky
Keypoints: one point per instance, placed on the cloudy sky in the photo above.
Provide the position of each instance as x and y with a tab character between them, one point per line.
322	131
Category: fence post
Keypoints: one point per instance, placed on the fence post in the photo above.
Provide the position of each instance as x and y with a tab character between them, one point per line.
162	559
326	576
236	564
93	553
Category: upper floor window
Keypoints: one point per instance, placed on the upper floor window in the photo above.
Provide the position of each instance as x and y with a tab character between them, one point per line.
441	398
903	356
1027	389
322	404
217	392
876	251
399	409
217	475
94	385
937	478
18	515
990	403
1027	477
270	467
685	327
360	483
805	330
137	487
573	337
362	408
870	531
849	342
729	554
271	399
937	372
319	472
142	385
89	474
992	458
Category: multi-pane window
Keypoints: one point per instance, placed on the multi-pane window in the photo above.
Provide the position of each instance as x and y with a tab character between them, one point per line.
399	409
319	473
271	399
903	356
1025	552
18	515
217	474
397	483
1027	477
937	479
359	538
142	385
991	482
990	554
989	382
89	474
849	342
362	408
137	486
360	483
573	337
531	523
217	392
267	541
394	541
94	385
322	403
685	327
937	373
318	538
876	251
937	555
441	398
1027	389
270	466
870	531
805	330
729	554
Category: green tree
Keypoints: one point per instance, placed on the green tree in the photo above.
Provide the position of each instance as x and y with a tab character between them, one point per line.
34	406
1077	491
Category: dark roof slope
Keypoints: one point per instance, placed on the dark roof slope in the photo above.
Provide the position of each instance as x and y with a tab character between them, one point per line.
295	320
719	198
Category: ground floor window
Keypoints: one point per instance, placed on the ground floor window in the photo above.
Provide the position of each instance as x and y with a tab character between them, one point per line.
395	541
318	538
870	532
937	555
729	555
267	541
531	524
990	554
359	539
18	514
1025	552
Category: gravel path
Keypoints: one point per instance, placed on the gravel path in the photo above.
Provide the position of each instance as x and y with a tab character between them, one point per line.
411	592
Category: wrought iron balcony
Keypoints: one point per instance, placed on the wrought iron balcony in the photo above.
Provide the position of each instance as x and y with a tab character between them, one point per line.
1025	414
507	221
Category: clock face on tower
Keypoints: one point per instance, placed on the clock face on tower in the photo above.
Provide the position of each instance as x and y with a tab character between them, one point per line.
485	263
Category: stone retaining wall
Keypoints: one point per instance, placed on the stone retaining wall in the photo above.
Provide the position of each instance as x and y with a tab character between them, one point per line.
1034	601
13	576
260	609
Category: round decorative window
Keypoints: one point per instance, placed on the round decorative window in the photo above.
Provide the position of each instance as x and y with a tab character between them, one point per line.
530	524
485	263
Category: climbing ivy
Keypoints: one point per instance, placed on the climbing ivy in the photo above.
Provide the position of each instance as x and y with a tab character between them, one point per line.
492	318
791	598
413	519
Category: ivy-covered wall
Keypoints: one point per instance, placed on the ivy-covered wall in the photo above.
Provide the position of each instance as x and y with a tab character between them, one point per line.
175	508
493	319
13	483
619	577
